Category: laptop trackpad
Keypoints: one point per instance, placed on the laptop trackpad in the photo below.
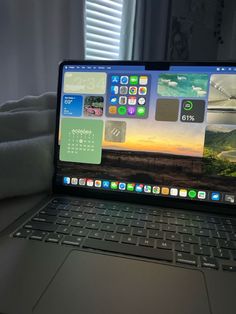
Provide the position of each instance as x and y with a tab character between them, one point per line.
89	283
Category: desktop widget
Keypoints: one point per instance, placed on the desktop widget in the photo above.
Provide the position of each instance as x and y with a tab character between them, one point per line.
128	96
140	188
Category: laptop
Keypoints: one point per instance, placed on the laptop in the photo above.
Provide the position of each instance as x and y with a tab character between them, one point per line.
142	215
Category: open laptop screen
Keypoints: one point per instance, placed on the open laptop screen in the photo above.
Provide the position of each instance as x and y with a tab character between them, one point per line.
153	129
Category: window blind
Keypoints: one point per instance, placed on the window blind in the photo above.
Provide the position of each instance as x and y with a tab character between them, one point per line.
103	23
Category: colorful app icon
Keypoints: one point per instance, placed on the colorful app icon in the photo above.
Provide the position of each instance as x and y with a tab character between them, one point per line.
124	80
114	185
122	110
142	90
133	90
230	198
74	181
141	101
192	193
123	90
132	100
143	80
82	181
183	192
165	190
130	187
201	195
112	109
215	196
173	192
114	89
156	190
115	79
90	182
106	184
147	188
122	186
113	100
66	180
98	183
133	80
131	110
122	100
141	111
139	188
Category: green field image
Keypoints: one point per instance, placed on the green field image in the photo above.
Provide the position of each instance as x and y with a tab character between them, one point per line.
183	85
220	150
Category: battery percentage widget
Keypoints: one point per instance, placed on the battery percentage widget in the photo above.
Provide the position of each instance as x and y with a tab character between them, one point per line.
192	110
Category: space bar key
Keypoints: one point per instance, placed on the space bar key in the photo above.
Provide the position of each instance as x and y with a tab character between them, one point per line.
158	254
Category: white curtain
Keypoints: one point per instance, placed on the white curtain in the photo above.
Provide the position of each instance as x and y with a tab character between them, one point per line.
34	36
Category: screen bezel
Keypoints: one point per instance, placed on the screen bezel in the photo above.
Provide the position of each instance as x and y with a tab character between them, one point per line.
125	196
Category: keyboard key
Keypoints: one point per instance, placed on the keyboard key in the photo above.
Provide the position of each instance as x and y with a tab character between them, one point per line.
229	268
183	247
140	232
157	254
209	262
22	233
92	225
173	236
44	218
208	241
107	219
170	228
71	240
77	223
65	214
40	226
163	220
225	228
81	216
146	242
184	230
152	225
38	235
80	232
138	224
213	220
190	239
64	230
201	250
96	234
206	225
202	232
146	217
49	212
232	236
221	253
123	222
129	240
185	258
162	244
94	218
226	244
131	216
218	234
156	234
194	224
124	230
108	227
53	237
63	221
112	237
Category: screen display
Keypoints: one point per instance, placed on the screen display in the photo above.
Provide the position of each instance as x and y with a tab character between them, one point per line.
162	132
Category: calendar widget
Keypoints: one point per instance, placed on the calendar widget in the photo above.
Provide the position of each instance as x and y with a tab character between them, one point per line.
81	140
128	96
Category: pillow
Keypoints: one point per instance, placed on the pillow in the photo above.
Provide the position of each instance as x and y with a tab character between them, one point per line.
27	131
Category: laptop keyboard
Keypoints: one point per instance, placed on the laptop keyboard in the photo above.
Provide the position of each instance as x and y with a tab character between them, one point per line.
160	234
